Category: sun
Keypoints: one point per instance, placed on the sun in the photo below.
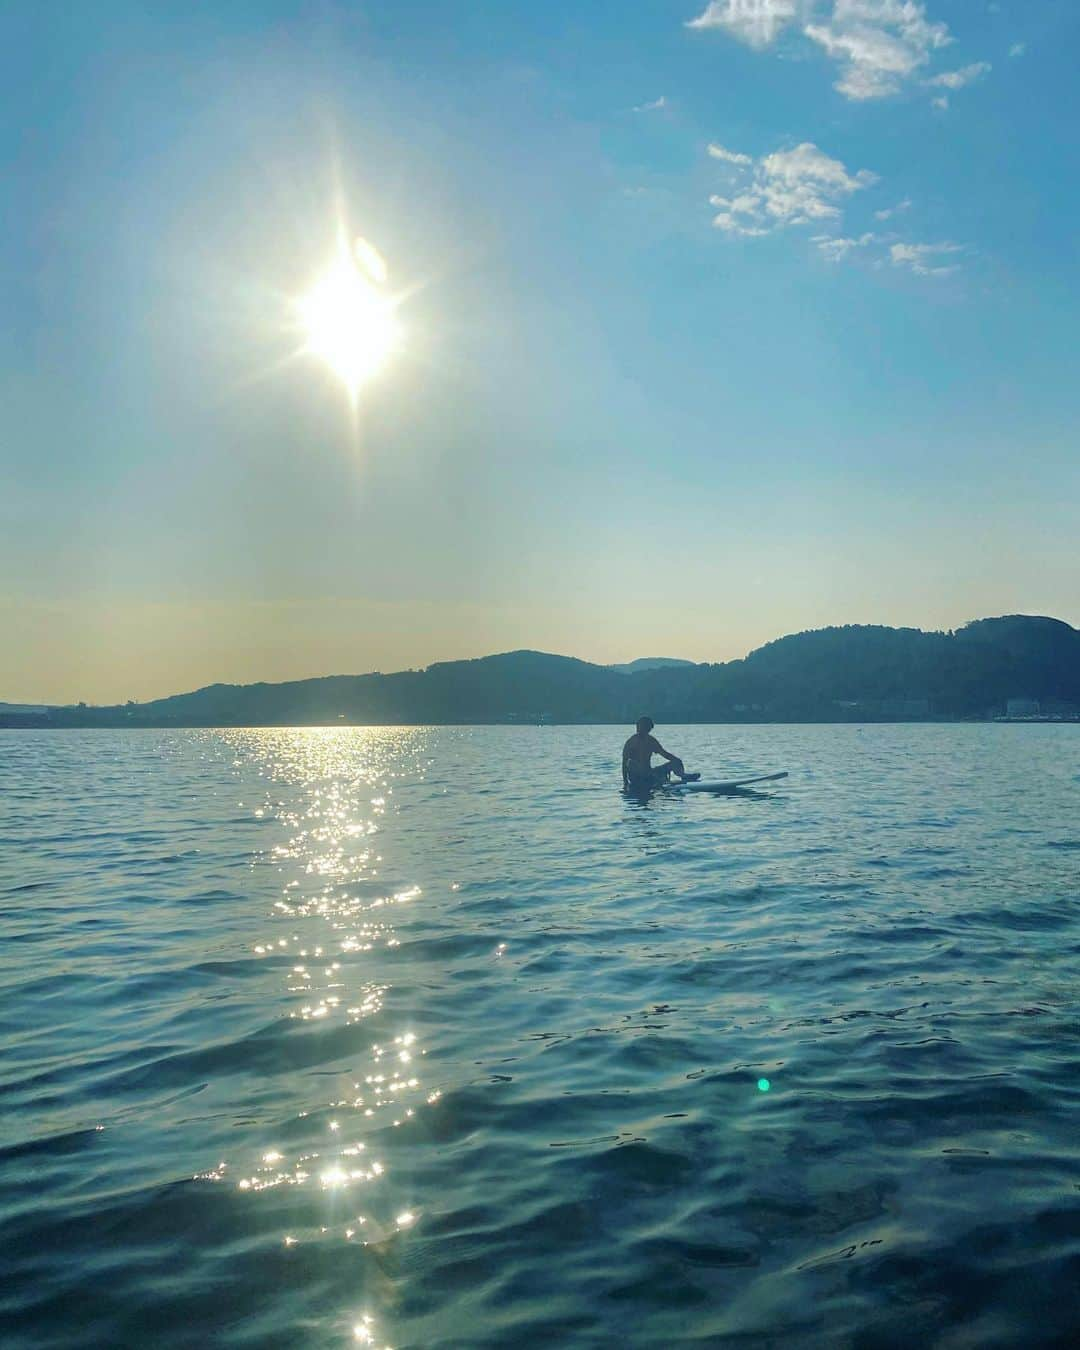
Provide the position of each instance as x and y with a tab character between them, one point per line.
347	318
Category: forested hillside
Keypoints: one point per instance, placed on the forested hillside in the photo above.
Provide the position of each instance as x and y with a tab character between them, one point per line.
854	673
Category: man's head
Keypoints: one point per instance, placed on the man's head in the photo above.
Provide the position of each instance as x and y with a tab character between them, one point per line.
645	725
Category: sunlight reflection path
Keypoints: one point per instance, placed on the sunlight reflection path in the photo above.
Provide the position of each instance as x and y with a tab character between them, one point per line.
328	789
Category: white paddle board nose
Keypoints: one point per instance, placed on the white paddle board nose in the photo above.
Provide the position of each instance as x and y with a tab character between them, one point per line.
689	786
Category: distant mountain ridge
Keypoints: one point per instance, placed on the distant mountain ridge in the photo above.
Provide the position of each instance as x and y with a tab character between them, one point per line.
649	663
1019	664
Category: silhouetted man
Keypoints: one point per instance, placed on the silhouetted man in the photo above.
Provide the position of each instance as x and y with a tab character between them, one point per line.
637	753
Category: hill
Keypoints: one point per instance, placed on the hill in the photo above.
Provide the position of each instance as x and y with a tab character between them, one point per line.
1013	664
1020	664
649	663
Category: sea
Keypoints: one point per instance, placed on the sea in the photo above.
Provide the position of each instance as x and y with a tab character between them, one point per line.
430	1037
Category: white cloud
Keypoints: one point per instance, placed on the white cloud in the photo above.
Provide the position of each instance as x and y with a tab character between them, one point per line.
878	44
788	187
891	211
805	184
941	102
1018	49
756	22
728	156
957	79
835	250
922	259
730	224
654	106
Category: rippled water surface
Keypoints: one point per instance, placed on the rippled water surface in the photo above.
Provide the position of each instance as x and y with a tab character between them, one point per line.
430	1038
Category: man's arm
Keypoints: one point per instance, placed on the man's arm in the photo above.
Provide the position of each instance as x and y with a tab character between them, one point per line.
625	771
678	768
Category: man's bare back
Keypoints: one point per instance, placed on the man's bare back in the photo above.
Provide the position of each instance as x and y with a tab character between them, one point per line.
637	754
637	769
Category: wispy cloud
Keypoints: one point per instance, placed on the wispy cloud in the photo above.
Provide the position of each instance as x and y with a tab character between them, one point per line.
957	79
788	187
728	156
890	211
835	250
879	45
1018	49
654	106
924	259
755	22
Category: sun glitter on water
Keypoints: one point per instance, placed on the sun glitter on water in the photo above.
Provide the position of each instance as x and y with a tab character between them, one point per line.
347	317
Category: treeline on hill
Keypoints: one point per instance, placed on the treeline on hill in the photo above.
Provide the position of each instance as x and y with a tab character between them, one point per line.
854	673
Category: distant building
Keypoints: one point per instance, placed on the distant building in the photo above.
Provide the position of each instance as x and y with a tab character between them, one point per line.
1023	707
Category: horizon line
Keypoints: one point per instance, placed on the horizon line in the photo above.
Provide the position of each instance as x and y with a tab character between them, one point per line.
521	651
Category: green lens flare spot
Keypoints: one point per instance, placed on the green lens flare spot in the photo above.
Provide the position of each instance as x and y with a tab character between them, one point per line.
763	1085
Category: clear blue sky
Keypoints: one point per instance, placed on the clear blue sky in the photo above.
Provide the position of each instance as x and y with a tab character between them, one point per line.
722	321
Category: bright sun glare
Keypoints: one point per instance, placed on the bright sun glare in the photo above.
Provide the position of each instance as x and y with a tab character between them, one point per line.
348	319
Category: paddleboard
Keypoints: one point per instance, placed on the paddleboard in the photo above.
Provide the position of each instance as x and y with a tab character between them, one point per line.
724	787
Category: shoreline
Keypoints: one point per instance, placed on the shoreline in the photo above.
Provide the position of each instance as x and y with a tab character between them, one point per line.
47	724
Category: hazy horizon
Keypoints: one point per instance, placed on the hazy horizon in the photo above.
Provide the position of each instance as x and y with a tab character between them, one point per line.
699	328
420	664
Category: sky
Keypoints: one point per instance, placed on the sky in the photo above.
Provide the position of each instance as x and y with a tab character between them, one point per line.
719	321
